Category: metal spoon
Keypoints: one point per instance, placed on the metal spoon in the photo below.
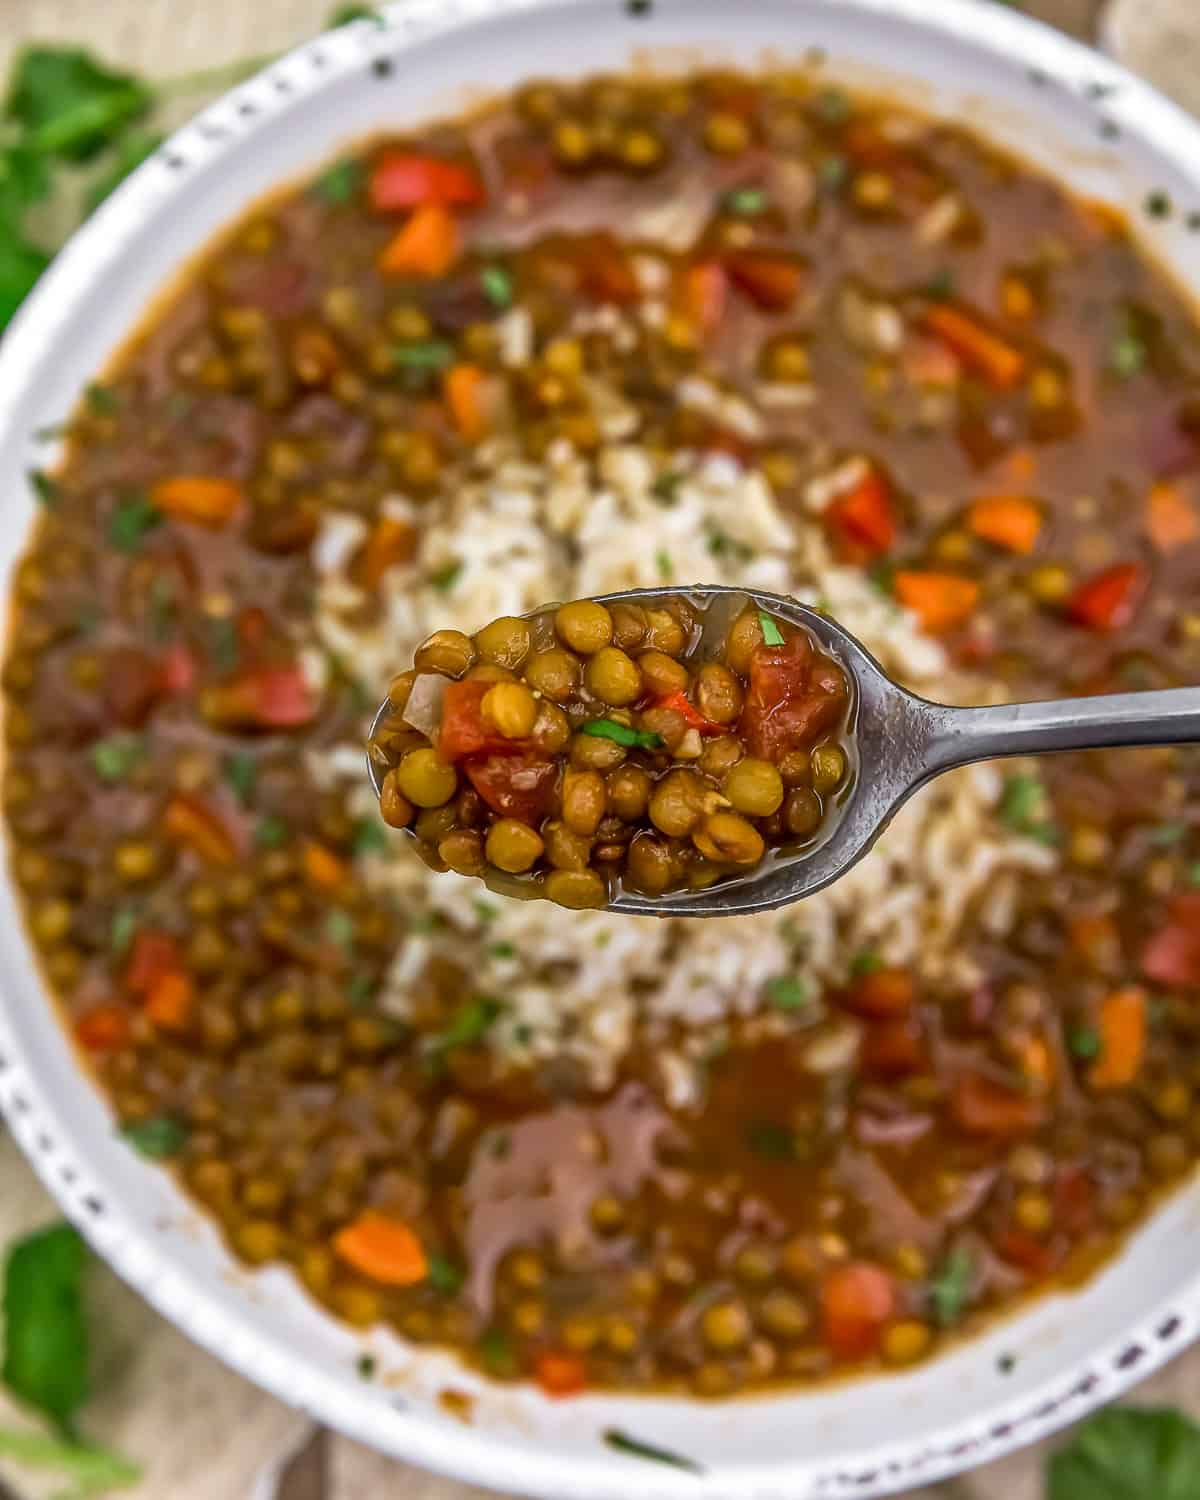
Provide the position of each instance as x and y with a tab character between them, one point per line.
901	742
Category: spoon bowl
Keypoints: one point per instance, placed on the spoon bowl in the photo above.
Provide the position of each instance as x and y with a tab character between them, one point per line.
899	742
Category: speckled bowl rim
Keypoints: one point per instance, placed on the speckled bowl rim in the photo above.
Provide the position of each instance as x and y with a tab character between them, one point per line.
116	1226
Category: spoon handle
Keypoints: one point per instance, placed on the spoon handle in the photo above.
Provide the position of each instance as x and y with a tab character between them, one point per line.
1170	716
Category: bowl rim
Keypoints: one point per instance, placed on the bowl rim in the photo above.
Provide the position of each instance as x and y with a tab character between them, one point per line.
475	1454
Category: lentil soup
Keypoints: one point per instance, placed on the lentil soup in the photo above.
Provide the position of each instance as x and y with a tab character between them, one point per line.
837	351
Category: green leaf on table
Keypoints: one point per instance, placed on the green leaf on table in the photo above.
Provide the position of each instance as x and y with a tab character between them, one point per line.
20	266
92	1471
69	104
24	180
45	1333
1128	1453
345	14
131	151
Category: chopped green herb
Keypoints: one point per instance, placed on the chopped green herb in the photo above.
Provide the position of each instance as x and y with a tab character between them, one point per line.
365	1365
745	202
47	490
131	520
1169	833
1128	1453
45	1332
469	1026
88	618
721	545
523	1034
224	643
425	922
950	1286
370	837
271	833
662	561
621	734
940	286
486	911
131	151
502	950
665	488
444	579
497	284
866	962
883	576
832	106
496	1353
339	183
772	634
770	1139
1128	355
423	354
499	1143
833	172
125	923
1158	204
360	990
1194	874
339	929
159	1137
1084	1042
445	1275
623	1442
240	770
113	758
788	994
1024	808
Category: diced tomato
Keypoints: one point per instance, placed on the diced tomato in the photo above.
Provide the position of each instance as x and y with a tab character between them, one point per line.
251	626
152	955
864	517
785	708
605	272
104	1028
515	786
178	669
982	1107
680	704
464	730
1110	600
1074	1201
882	995
560	1374
262	698
893	1049
1037	1258
857	1302
405	179
702	295
772	282
1171	957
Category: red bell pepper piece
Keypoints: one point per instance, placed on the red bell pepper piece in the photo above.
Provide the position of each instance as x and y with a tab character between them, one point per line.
404	179
864	517
772	282
882	995
560	1374
104	1028
1110	600
515	786
982	1107
1171	956
263	698
178	669
679	703
893	1049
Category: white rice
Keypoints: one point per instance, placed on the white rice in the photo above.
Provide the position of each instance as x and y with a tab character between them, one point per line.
584	985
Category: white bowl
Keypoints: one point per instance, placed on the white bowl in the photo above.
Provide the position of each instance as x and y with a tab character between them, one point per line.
1054	102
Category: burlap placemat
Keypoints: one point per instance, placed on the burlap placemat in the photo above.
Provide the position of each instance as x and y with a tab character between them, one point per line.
201	1431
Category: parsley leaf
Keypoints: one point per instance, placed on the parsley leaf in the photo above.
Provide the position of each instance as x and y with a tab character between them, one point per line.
132	518
345	14
745	202
445	1275
1024	808
70	105
469	1026
950	1286
113	758
157	1138
339	183
1084	1042
46	489
623	1442
45	1333
496	1353
866	962
131	151
125	923
621	734
272	832
497	284
20	266
1128	1454
446	577
788	994
370	837
240	770
769	1139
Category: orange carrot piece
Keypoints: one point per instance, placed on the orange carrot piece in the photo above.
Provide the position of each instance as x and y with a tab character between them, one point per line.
1037	1062
1021	465
857	1301
463	391
322	867
940	601
198	498
978	347
169	1003
188	822
1171	519
383	1249
1008	521
426	246
703	294
1122	1039
391	542
104	1028
560	1374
